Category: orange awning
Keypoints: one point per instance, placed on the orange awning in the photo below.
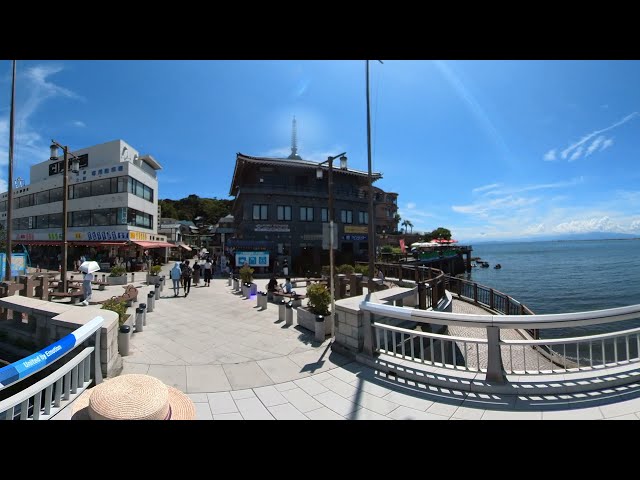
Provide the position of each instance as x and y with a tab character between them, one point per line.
152	244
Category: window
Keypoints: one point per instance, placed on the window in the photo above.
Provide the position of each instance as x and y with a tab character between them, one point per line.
284	212
101	187
260	212
80	190
388	213
324	214
81	218
3	206
102	216
55	195
122	216
306	214
42	197
363	218
42	221
346	216
55	220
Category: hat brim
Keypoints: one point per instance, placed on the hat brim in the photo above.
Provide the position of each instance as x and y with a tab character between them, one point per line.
182	407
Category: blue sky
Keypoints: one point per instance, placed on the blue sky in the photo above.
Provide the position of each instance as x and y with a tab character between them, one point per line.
493	150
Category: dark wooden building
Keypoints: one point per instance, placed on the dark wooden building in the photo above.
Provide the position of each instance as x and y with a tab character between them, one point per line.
281	205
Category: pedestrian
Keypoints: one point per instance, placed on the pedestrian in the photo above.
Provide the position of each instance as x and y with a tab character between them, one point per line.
287	287
187	273
86	286
176	275
196	274
208	270
285	269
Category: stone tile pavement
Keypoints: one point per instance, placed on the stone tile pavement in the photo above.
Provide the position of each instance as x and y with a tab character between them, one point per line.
239	363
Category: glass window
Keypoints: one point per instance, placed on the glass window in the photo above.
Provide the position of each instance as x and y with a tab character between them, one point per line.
130	187
42	221
82	190
346	216
260	212
122	184
324	214
363	218
306	214
81	218
122	216
101	217
3	206
284	212
55	195
139	189
101	187
55	220
42	197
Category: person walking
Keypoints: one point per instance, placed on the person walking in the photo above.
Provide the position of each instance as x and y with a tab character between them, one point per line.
187	273
196	273
86	287
176	275
208	270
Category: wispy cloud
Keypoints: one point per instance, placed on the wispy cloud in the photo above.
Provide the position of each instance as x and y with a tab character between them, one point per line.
411	205
79	123
601	224
486	187
512	190
575	150
496	204
550	156
29	145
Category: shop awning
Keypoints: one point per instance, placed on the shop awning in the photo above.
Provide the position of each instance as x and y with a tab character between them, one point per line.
182	245
152	244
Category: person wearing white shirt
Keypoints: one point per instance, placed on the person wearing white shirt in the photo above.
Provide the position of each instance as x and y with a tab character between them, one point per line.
86	285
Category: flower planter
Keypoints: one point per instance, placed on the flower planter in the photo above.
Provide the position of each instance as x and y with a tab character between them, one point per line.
307	320
119	280
153	279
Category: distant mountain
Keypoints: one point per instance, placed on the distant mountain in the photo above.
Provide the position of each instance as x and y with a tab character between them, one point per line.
566	237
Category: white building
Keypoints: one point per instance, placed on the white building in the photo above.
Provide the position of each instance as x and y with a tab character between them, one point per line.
112	202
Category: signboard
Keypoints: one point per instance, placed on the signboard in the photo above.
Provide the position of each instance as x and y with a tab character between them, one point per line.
18	264
355	237
352	229
254	259
326	238
100	235
57	167
137	236
311	236
271	227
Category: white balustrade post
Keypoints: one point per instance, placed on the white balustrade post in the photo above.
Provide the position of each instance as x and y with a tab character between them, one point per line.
495	371
368	333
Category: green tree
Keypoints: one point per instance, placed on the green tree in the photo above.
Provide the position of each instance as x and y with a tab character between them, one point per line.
440	232
404	225
410	225
210	209
396	219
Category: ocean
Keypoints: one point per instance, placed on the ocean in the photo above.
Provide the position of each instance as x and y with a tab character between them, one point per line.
564	276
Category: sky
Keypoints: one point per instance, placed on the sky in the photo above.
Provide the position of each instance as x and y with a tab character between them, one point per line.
492	150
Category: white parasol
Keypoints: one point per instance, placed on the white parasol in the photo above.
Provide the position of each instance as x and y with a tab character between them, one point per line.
89	267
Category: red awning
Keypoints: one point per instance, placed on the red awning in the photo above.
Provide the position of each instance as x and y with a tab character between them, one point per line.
70	243
152	244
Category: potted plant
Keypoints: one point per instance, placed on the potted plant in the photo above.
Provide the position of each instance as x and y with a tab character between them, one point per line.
246	276
153	277
317	305
118	276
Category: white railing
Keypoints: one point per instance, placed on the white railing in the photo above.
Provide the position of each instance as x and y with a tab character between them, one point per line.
498	357
45	398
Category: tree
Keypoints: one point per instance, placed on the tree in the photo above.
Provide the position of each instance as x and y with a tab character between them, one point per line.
210	209
405	224
396	219
439	232
410	225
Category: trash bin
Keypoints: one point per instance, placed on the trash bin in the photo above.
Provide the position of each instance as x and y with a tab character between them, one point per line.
281	310
123	340
143	306
289	314
319	328
139	319
151	300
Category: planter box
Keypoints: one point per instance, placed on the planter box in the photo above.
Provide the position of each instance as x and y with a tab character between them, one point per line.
307	320
120	280
153	279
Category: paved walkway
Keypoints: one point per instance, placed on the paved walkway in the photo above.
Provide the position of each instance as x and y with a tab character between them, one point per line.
236	362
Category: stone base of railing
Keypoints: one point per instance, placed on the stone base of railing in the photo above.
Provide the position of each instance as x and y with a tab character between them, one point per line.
467	381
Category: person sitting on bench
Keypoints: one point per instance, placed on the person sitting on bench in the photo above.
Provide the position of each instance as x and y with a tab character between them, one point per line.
287	287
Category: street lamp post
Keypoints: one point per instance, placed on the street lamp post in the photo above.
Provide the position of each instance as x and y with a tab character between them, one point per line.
65	196
343	162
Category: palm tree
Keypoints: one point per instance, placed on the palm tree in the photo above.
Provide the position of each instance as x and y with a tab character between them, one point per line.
396	219
405	224
409	224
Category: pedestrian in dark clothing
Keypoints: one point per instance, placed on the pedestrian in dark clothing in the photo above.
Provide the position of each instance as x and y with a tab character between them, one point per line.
187	273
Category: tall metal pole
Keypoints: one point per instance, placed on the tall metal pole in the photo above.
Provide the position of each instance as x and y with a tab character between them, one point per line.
7	273
65	195
331	227
372	253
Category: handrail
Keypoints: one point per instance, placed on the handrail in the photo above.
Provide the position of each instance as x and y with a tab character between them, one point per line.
35	362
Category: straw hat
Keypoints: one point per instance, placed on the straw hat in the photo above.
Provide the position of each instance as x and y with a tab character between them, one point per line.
133	397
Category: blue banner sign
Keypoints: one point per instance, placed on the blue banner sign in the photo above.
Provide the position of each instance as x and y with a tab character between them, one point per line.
253	259
18	264
355	237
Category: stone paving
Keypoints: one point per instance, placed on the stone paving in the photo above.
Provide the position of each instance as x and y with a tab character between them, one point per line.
239	363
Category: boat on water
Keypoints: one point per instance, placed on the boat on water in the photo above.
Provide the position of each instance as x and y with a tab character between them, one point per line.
484	264
498	266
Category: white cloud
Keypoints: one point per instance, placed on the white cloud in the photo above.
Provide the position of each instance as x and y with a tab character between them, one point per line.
79	123
485	187
606	144
602	224
483	208
579	145
550	156
594	145
411	205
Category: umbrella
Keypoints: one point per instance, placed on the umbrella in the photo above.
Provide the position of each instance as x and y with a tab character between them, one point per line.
89	267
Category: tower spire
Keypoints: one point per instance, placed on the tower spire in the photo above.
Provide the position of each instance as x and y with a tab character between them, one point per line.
294	142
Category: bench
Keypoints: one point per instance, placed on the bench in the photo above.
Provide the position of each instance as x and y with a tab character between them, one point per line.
101	284
296	298
74	296
129	296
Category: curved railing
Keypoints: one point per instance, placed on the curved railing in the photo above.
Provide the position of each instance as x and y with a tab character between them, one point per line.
48	396
498	357
487	297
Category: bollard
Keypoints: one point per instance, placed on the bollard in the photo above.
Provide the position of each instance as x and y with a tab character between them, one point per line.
133	277
156	291
139	319
235	284
104	277
281	310
163	280
262	300
123	340
289	314
259	300
319	328
151	300
230	280
143	306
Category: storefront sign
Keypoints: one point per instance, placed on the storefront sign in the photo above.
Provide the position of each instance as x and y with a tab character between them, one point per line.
138	236
355	238
113	235
352	229
271	227
57	167
311	236
254	259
